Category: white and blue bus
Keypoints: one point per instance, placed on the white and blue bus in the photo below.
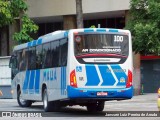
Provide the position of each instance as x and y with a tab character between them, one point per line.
76	67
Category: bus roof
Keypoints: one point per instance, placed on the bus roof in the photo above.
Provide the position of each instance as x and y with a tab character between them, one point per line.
62	34
43	39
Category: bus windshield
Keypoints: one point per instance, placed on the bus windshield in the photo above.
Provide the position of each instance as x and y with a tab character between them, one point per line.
101	46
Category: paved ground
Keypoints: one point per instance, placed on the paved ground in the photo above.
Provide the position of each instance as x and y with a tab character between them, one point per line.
147	102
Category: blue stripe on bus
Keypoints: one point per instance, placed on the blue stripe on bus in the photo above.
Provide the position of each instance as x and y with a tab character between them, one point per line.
39	41
29	44
113	30
101	30
55	75
66	34
25	84
64	84
63	80
34	43
108	79
31	82
89	30
120	74
37	81
92	76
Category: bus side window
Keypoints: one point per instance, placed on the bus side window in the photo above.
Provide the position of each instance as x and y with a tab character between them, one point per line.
19	58
55	53
39	57
23	60
13	62
32	58
47	55
63	51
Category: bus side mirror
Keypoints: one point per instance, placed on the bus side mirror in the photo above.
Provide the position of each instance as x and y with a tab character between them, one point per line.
13	62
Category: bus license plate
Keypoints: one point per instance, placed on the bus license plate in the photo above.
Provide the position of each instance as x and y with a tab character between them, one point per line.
102	93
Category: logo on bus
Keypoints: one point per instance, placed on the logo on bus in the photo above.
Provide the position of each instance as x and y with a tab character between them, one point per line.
49	74
122	80
78	69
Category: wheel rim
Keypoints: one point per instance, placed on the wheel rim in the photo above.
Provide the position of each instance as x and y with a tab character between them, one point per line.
22	101
45	101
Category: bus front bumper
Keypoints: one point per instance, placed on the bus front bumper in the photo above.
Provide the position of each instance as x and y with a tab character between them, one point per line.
93	93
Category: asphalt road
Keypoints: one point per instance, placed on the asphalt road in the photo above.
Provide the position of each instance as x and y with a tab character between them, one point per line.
113	109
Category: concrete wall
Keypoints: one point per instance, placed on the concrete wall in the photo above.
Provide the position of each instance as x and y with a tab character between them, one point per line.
5	78
44	8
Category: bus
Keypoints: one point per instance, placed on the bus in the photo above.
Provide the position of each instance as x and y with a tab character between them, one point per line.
83	67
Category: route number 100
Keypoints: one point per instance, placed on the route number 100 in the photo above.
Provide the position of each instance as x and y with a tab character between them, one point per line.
118	38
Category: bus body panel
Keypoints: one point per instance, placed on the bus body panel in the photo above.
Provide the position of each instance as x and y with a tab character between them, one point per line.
91	93
31	83
90	78
93	78
101	76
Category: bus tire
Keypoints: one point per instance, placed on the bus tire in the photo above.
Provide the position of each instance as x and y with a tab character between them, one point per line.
22	102
91	107
100	106
95	107
46	104
56	106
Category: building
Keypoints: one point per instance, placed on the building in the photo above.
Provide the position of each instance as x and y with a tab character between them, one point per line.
52	15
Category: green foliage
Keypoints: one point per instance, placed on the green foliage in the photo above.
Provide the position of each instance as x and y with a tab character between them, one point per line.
13	9
144	24
5	13
28	27
93	26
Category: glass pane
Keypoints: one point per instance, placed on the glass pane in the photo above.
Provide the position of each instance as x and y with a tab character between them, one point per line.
64	50
47	55
101	43
39	57
55	53
32	58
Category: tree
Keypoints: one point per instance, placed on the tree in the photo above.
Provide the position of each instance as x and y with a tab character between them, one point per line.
10	10
79	12
144	24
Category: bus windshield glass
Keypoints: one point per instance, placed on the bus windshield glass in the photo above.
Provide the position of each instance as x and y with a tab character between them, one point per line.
98	45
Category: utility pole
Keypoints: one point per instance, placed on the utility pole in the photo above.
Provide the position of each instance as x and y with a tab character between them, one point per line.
79	13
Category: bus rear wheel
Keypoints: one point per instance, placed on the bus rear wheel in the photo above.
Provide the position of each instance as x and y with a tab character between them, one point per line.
96	107
49	106
46	104
22	102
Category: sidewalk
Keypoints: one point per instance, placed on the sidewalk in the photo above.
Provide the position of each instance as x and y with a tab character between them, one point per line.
146	102
145	97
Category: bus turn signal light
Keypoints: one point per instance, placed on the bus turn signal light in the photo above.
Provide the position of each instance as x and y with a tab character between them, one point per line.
73	81
129	80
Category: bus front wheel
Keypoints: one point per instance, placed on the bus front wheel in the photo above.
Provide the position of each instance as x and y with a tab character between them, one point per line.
22	102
